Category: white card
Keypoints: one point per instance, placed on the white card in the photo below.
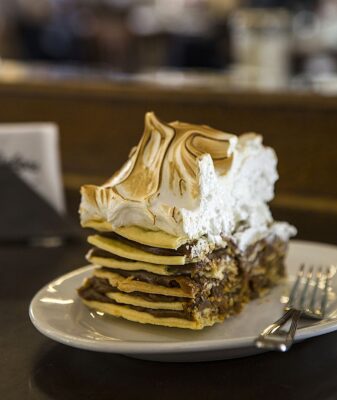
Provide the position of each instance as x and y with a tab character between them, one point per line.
32	151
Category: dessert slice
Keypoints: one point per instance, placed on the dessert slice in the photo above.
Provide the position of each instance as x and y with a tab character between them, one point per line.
184	236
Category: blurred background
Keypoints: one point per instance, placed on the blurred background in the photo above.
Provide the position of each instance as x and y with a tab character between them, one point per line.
94	68
259	43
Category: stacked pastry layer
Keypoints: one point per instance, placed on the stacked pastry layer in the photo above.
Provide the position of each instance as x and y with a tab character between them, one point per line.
152	277
184	232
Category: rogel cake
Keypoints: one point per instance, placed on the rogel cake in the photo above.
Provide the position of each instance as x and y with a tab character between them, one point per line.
183	233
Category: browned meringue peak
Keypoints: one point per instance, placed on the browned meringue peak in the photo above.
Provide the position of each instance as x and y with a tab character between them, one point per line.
167	157
160	176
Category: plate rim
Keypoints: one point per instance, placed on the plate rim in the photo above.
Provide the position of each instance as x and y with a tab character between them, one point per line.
154	347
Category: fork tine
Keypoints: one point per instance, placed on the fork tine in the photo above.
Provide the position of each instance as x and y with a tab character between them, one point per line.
324	301
275	336
295	287
314	293
305	289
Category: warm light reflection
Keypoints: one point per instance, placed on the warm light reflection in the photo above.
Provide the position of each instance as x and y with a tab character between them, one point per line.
56	301
94	314
284	299
51	289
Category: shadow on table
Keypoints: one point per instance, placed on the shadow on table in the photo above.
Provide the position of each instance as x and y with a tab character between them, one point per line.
307	371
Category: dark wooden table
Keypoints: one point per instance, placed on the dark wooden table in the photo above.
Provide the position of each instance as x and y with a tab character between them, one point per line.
34	367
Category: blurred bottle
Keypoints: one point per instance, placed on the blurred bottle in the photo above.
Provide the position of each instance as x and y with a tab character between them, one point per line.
315	45
261	47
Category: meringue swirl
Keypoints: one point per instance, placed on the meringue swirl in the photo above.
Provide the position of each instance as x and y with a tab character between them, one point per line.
187	180
167	158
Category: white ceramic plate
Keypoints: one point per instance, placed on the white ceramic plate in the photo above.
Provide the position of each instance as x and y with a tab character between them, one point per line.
57	312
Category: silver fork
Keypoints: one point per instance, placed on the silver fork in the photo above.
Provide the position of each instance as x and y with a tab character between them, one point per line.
299	305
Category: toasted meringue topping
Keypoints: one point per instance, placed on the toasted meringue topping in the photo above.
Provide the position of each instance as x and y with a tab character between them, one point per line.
187	180
166	160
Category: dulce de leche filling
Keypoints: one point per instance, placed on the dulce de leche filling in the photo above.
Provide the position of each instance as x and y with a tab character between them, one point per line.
213	296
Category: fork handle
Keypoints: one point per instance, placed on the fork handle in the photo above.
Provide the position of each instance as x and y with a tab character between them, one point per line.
273	338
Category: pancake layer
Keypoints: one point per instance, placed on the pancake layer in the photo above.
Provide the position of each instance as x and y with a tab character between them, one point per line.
137	282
